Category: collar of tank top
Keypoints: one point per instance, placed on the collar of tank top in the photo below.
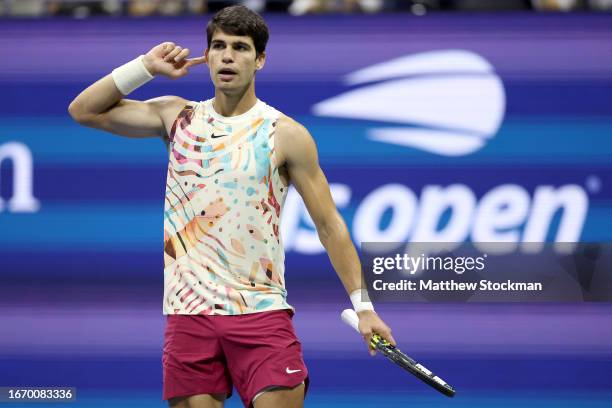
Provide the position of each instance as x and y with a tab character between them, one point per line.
230	119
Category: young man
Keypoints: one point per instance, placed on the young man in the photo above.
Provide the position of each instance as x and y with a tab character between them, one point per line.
231	161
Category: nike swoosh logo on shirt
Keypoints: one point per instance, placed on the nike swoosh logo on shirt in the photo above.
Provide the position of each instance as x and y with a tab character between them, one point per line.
216	136
291	371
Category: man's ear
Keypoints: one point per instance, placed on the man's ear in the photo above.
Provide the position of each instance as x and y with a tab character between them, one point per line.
206	56
260	61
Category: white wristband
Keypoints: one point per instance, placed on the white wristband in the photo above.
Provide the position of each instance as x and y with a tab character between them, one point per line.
132	75
359	304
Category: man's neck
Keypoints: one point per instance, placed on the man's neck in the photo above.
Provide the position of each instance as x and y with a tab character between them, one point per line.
234	104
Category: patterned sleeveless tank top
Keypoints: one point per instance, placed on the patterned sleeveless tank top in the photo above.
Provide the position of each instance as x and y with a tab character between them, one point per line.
223	252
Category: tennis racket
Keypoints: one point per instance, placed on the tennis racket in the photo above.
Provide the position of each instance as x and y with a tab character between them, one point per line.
394	354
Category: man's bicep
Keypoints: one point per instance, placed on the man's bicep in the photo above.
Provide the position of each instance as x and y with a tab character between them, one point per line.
309	179
132	119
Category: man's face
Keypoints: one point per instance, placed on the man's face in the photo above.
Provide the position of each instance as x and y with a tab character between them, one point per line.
232	61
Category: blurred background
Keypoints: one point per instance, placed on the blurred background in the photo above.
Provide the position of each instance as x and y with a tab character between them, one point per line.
435	120
143	8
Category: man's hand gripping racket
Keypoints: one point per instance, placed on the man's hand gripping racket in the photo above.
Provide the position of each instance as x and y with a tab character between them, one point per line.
394	354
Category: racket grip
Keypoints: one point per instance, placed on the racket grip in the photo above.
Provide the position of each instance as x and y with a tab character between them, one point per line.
350	317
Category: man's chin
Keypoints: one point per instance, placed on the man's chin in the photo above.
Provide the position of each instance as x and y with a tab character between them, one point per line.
229	88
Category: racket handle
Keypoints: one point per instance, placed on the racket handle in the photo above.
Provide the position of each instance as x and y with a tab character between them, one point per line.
350	317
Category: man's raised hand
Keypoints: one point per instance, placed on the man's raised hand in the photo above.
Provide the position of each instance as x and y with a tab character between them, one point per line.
170	60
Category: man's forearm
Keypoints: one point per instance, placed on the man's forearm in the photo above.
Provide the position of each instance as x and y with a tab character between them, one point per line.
105	93
336	239
95	99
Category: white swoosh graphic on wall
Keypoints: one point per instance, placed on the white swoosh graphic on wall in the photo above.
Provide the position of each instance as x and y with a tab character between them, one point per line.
453	110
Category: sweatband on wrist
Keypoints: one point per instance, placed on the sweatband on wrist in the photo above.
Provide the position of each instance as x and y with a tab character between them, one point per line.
132	75
359	305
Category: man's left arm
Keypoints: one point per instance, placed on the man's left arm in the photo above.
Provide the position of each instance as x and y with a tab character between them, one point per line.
298	151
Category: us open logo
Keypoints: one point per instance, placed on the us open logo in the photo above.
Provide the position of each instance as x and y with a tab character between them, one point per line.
446	102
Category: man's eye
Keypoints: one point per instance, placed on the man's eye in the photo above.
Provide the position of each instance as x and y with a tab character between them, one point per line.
217	46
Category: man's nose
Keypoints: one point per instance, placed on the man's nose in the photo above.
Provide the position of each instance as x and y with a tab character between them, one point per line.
227	55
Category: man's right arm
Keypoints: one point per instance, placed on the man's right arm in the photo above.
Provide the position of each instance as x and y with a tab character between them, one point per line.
102	105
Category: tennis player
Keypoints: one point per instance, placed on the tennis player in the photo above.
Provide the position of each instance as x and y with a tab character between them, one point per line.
231	161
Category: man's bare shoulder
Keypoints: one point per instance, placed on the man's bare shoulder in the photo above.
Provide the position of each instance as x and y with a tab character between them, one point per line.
168	108
288	127
167	103
293	139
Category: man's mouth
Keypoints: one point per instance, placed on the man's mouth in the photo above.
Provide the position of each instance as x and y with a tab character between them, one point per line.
226	74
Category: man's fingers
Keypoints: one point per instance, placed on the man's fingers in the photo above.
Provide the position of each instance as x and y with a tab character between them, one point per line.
181	55
170	56
367	336
371	349
195	61
167	47
386	334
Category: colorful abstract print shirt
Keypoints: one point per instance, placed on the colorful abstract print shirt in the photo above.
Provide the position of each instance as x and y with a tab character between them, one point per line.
223	252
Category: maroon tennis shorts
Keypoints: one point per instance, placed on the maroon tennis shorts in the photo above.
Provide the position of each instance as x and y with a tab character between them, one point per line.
208	354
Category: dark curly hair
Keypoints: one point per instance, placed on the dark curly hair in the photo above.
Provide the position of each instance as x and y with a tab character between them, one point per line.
239	20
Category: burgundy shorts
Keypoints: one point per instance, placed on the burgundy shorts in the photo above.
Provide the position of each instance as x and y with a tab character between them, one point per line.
208	354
